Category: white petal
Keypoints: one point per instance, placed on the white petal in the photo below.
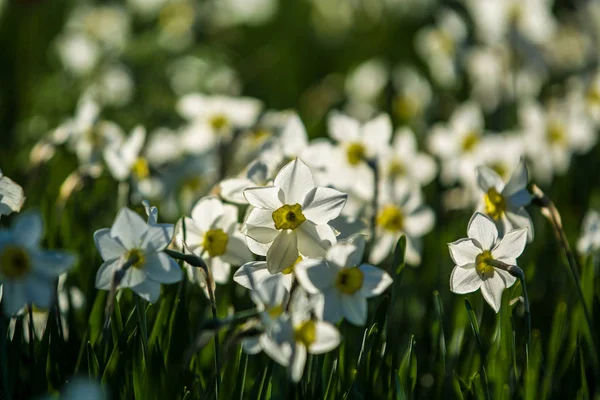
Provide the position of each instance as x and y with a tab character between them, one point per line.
420	221
383	247
161	268
251	345
283	251
322	204
28	229
465	279
158	237
329	306
280	353
315	275
206	211
345	254
314	240
342	128
148	290
376	134
52	263
233	189
220	269
272	291
518	180
483	229
464	251
295	180
375	281
109	247
133	277
105	274
487	178
298	362
129	228
14	297
193	234
328	338
511	245
260	249
508	279
251	273
267	198
39	291
492	289
354	309
236	252
521	219
11	196
259	225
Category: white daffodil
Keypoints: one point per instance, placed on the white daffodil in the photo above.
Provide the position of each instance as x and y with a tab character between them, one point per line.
404	161
413	94
457	144
124	159
214	118
133	240
504	203
11	196
292	336
292	216
256	174
363	86
27	273
471	256
343	281
254	272
270	296
213	233
401	212
589	241
553	134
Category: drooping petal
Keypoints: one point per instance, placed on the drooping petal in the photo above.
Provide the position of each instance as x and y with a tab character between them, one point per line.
315	275
315	240
518	181
295	180
267	198
148	290
322	204
206	212
281	353
108	246
161	268
260	249
328	306
28	229
283	252
465	279
483	229
14	297
129	228
158	237
354	309
298	362
487	179
375	281
327	338
464	251
105	274
52	263
511	245
492	289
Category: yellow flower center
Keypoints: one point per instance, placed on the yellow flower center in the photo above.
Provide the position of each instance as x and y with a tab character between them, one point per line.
556	133
288	217
14	262
484	269
500	169
137	256
397	168
391	218
291	268
406	107
140	168
215	242
219	122
306	333
275	311
349	280
494	204
470	141
355	153
446	42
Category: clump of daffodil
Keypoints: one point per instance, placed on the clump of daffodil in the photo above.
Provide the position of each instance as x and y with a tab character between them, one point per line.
28	273
139	245
472	257
343	281
292	217
504	202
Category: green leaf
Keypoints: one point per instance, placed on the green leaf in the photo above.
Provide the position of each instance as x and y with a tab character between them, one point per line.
96	318
408	369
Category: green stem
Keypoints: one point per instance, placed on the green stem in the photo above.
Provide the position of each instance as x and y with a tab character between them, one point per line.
141	314
475	328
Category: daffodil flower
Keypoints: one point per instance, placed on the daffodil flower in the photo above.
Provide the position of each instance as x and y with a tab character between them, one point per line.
254	272
472	255
293	336
589	241
504	203
124	160
28	274
132	240
213	234
292	216
11	196
344	282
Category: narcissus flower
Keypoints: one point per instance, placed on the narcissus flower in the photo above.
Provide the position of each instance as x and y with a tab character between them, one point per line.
295	334
344	282
213	234
472	255
123	160
292	217
132	240
504	203
254	272
28	274
11	196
